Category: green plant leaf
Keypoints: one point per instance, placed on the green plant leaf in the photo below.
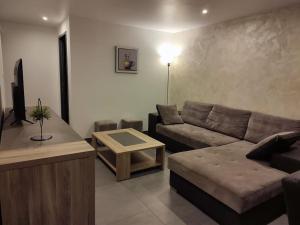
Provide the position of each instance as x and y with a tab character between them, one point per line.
39	113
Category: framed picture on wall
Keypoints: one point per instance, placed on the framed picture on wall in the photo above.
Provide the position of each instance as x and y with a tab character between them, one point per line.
126	60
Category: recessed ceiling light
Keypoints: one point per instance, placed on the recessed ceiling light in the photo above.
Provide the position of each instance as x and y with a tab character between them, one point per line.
45	18
204	11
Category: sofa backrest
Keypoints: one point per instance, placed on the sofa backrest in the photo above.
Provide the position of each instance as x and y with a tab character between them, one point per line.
242	124
263	125
196	113
233	122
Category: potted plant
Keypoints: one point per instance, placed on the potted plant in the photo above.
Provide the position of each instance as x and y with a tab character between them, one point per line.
38	114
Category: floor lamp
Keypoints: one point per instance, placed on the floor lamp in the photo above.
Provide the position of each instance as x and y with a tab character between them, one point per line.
169	64
168	53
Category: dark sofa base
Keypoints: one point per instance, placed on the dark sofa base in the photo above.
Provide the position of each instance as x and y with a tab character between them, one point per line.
171	145
260	215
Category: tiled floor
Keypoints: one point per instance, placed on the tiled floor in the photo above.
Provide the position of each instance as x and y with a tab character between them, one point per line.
145	200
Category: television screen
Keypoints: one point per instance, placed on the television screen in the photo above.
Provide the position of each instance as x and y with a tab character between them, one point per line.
18	92
1	114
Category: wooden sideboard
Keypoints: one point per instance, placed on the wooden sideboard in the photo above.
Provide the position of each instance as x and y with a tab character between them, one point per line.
50	182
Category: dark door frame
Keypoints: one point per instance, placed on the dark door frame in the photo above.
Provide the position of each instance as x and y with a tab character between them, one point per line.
64	84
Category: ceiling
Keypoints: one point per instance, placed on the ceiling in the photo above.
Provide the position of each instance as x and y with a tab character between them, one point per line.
164	15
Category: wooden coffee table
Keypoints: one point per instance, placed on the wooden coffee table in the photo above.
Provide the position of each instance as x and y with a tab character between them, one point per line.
123	151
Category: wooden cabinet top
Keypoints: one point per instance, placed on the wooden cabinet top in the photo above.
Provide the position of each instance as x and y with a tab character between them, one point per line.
20	158
18	136
17	150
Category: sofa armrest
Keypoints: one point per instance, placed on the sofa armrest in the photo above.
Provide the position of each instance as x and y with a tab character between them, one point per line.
153	119
291	189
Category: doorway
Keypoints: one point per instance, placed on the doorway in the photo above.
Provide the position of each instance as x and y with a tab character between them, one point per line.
64	89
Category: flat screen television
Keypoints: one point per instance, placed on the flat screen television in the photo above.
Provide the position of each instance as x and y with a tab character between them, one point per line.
18	97
1	114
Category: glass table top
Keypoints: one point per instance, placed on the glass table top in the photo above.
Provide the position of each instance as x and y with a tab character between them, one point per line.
126	139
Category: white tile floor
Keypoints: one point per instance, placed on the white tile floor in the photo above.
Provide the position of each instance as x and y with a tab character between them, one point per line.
145	200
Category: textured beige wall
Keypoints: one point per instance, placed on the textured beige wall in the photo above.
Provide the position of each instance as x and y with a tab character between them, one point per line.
251	63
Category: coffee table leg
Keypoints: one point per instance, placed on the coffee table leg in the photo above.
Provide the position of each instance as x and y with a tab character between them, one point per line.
160	156
123	166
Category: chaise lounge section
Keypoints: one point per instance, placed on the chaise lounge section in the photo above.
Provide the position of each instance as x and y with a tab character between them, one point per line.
237	190
215	174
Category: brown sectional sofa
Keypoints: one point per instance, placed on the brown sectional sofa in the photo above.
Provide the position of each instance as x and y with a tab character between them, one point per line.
216	175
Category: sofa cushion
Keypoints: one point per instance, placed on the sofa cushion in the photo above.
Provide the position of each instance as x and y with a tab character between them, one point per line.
193	136
169	114
227	175
262	125
196	113
263	150
275	143
228	121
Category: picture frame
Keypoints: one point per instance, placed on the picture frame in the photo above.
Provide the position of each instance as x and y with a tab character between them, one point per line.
126	60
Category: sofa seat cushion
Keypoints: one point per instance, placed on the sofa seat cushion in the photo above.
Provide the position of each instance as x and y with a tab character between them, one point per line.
229	121
227	175
262	125
193	136
196	113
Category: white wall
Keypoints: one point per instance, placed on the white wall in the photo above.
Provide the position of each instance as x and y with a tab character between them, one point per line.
38	47
97	91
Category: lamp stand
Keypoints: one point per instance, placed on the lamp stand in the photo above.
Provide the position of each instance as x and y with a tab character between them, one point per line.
169	64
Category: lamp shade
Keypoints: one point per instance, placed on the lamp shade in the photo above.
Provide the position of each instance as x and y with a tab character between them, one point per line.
168	53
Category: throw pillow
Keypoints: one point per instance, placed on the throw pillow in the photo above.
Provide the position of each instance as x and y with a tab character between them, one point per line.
276	143
286	139
169	114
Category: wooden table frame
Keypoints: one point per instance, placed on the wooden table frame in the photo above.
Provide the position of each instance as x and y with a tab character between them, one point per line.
121	162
